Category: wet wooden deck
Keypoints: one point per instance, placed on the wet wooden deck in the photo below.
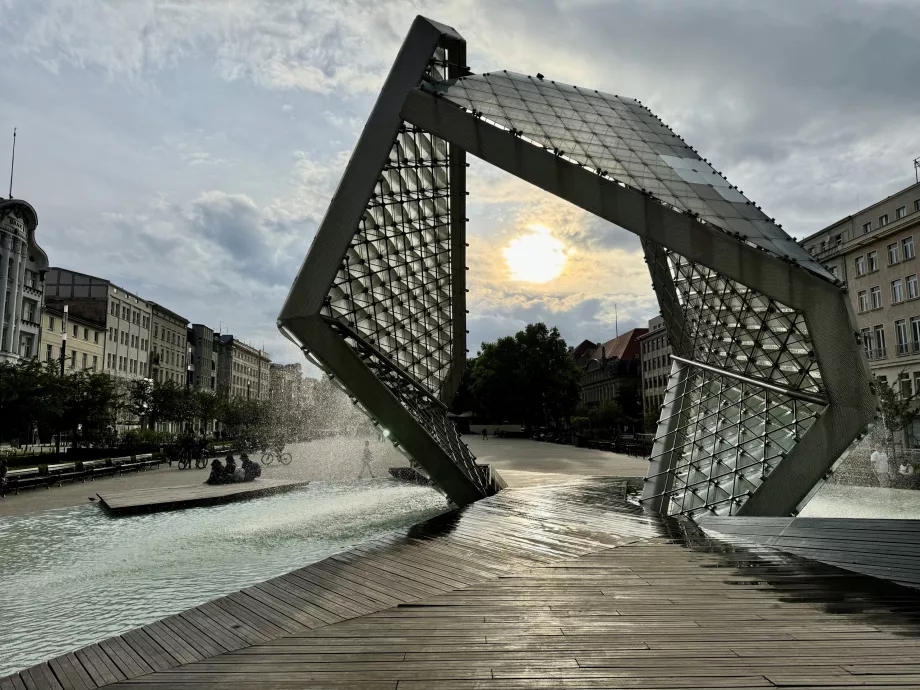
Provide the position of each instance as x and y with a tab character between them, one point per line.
191	495
550	587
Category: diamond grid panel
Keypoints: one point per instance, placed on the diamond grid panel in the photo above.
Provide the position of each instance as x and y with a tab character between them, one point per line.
729	437
730	326
394	284
391	296
620	138
424	408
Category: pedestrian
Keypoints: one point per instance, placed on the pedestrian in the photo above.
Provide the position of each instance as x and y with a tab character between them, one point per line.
879	462
3	479
366	459
485	434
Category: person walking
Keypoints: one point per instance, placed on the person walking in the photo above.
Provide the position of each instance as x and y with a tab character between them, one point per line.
879	462
366	459
485	434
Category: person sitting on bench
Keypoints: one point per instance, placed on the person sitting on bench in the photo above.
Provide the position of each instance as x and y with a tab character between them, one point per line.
217	473
250	469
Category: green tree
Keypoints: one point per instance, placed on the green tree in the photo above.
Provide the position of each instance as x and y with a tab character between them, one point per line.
898	411
528	378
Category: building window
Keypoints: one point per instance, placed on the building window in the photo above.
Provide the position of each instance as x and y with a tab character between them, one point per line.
873	261
867	342
897	291
894	255
48	353
96	337
860	265
907	248
900	330
867	227
73	360
76	329
876	294
901	212
84	360
912	289
915	333
95	362
883	220
904	384
51	323
880	341
28	310
85	334
917	205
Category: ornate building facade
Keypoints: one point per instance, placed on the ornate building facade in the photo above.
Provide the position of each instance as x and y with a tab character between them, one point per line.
22	266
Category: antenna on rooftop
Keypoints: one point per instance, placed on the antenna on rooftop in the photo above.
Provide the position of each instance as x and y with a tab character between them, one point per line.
916	169
13	163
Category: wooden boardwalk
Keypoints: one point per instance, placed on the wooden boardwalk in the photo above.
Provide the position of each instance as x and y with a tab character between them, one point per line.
552	587
888	549
191	495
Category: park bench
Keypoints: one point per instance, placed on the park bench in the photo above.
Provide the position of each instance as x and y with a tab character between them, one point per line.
97	468
24	479
62	472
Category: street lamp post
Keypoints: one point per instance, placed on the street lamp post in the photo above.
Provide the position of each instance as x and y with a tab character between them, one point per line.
57	443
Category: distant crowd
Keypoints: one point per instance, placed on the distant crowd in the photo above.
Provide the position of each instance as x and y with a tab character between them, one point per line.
229	473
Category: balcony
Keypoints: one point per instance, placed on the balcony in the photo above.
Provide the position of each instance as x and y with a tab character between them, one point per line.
876	353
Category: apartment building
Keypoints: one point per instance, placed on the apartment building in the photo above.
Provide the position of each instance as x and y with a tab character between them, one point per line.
204	347
875	253
655	358
22	268
243	371
85	348
286	383
169	346
610	370
127	317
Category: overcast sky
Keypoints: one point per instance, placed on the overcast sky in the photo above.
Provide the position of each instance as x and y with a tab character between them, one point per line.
187	150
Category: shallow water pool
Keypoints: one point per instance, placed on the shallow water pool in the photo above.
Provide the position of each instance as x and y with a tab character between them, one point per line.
74	576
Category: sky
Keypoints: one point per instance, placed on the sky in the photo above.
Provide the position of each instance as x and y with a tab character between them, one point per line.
187	150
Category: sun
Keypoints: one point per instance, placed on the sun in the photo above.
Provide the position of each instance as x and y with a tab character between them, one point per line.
536	257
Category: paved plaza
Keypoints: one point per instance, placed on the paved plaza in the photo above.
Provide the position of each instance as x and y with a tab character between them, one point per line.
521	462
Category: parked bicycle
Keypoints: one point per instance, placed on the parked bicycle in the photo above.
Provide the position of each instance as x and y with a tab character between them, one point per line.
185	461
272	454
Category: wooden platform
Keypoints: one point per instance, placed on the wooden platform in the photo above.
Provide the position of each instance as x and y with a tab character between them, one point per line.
887	549
561	586
191	495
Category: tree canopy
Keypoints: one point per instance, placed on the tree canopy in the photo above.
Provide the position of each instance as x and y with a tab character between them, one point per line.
528	378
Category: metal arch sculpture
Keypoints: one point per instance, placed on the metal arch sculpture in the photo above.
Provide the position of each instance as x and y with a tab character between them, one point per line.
768	385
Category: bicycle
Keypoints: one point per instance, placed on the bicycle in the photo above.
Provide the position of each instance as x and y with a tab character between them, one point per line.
269	456
185	461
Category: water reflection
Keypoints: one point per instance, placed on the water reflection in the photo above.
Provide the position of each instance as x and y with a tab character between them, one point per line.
77	576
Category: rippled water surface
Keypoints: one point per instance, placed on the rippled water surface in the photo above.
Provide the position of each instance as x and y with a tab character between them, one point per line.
74	576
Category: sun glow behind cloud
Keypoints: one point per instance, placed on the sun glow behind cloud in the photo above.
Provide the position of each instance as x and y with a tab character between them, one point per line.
536	257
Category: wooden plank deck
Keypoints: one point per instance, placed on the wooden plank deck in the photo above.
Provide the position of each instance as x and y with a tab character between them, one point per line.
552	587
191	495
888	549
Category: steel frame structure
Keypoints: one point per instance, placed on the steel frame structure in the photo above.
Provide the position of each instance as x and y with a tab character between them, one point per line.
769	385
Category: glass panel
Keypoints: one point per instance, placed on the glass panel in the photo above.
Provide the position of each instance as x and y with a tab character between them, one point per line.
594	128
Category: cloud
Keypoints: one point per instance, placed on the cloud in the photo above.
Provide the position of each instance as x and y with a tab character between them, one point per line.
203	140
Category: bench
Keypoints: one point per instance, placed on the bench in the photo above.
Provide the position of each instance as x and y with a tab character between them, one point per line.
24	479
62	472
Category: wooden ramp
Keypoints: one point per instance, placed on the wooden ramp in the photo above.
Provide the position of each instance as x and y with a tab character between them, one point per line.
566	586
191	495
